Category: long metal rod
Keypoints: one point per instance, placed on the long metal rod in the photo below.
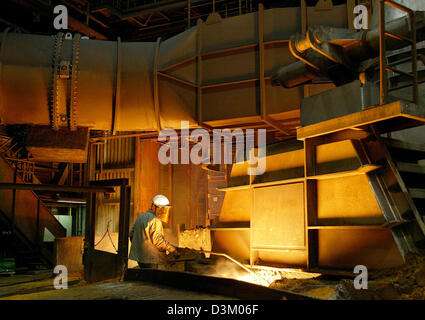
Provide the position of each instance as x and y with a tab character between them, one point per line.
398	6
12	211
382	51
117	93
50	187
156	86
188	14
224	51
234	261
37	224
199	73
414	60
383	85
2	46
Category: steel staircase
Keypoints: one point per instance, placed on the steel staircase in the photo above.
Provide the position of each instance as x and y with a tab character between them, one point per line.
409	160
386	66
23	218
399	187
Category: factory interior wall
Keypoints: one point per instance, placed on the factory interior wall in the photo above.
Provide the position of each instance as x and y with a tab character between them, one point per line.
134	159
186	185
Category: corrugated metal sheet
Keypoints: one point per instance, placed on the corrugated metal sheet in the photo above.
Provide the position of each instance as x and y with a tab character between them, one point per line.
113	160
115	153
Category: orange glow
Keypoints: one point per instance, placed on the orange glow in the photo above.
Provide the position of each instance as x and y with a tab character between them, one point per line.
266	276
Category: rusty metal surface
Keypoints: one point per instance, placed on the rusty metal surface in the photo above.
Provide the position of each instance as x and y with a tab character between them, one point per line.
63	145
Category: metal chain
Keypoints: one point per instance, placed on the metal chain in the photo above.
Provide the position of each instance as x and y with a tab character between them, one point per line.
72	113
54	107
109	235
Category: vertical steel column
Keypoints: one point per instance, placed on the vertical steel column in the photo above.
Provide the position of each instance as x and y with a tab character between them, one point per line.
170	190
199	73
310	204
156	85
414	59
382	47
12	213
261	61
188	14
123	234
2	46
89	238
253	254
116	102
37	223
263	102
383	85
189	196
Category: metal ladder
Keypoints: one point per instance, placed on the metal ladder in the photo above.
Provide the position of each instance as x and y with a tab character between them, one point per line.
389	67
398	186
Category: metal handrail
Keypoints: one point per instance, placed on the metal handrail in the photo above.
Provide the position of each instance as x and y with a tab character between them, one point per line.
384	66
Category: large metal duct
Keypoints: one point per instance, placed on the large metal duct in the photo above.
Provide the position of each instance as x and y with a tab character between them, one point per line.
212	74
113	84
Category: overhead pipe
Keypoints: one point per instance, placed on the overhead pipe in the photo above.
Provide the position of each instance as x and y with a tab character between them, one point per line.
324	48
70	82
112	82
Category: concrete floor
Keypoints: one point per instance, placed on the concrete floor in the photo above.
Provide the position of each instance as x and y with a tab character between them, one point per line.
407	282
39	286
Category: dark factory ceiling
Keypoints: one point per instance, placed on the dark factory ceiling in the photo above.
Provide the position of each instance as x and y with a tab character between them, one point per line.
132	20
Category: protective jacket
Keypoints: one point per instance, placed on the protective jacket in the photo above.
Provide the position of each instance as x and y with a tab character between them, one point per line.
148	244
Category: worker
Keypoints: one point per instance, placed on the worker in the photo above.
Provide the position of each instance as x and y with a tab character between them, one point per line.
148	245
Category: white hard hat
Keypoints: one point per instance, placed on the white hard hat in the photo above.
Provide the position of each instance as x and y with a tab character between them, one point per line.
160	201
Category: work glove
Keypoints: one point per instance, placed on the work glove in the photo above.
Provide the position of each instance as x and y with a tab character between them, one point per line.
175	254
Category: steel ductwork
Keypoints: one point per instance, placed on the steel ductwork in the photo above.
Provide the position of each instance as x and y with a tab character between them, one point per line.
98	84
212	74
338	53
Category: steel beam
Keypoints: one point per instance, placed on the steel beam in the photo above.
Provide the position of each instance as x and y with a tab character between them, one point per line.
52	187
